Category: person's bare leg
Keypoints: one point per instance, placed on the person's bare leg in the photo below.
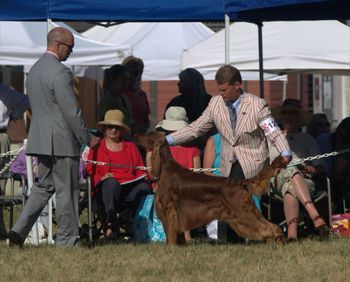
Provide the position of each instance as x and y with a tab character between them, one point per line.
291	212
303	194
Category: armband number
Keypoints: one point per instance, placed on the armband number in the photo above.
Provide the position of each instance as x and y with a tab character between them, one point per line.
269	125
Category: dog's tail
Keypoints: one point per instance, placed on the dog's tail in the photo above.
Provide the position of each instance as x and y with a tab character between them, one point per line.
259	184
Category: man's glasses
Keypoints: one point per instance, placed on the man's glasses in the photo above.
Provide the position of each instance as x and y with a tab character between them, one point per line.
70	46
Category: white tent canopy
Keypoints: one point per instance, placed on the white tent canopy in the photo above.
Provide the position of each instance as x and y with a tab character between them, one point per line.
308	46
159	45
22	43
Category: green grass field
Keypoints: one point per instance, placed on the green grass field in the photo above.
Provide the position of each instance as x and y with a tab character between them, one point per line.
308	260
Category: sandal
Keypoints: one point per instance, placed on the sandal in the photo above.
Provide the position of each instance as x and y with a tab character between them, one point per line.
307	203
293	220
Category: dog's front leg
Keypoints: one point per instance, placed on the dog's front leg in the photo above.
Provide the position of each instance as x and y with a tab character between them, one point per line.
181	239
172	226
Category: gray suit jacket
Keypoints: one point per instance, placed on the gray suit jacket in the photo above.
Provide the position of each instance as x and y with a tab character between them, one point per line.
57	127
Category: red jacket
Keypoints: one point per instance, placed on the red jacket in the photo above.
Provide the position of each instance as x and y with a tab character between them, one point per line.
127	170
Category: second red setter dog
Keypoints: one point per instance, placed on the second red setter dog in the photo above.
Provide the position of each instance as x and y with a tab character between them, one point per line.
186	200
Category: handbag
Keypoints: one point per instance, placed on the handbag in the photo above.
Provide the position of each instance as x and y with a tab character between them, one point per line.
147	226
341	225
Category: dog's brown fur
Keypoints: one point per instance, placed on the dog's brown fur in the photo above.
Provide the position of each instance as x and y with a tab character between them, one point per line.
186	200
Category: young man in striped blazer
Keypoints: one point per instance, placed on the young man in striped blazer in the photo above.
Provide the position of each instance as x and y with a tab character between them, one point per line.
245	124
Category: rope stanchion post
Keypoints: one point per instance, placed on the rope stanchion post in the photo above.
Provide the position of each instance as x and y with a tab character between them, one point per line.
30	180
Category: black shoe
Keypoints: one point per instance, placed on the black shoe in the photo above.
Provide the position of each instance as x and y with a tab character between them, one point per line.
323	231
15	241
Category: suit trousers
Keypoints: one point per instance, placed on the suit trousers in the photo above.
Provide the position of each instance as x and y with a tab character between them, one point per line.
60	175
225	232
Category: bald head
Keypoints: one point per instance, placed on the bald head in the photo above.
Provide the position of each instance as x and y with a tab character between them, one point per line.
58	34
61	42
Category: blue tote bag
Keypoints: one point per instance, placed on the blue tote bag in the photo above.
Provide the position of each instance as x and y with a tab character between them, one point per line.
147	226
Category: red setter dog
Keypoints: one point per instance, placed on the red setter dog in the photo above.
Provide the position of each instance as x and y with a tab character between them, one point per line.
186	200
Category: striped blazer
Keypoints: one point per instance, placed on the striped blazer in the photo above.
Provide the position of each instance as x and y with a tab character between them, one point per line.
248	142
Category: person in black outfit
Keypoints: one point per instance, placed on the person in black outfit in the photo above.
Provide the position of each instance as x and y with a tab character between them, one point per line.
194	98
193	95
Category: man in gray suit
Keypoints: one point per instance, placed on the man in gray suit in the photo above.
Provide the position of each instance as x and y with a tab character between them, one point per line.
56	134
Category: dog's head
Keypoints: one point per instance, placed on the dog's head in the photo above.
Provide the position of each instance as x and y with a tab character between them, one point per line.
153	141
279	162
259	183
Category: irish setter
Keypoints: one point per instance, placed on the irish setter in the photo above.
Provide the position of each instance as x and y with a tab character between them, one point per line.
186	200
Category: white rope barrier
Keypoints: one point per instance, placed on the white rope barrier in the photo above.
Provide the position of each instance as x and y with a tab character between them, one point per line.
318	157
292	163
12	154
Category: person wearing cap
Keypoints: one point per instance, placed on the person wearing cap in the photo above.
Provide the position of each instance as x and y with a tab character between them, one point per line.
244	122
188	156
294	182
120	180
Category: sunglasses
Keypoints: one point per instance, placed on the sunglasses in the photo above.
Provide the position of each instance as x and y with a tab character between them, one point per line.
116	127
70	46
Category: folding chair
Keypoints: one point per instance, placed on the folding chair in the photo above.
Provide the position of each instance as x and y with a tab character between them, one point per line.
10	199
125	216
317	197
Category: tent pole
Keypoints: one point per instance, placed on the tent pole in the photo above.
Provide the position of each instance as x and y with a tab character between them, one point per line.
49	25
227	39
261	67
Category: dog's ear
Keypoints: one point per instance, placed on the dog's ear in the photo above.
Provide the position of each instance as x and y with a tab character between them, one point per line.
157	138
155	161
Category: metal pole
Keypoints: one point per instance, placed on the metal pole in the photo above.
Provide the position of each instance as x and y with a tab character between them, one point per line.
261	66
227	39
30	179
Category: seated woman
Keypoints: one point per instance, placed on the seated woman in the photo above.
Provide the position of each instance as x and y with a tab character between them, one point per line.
120	181
294	182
